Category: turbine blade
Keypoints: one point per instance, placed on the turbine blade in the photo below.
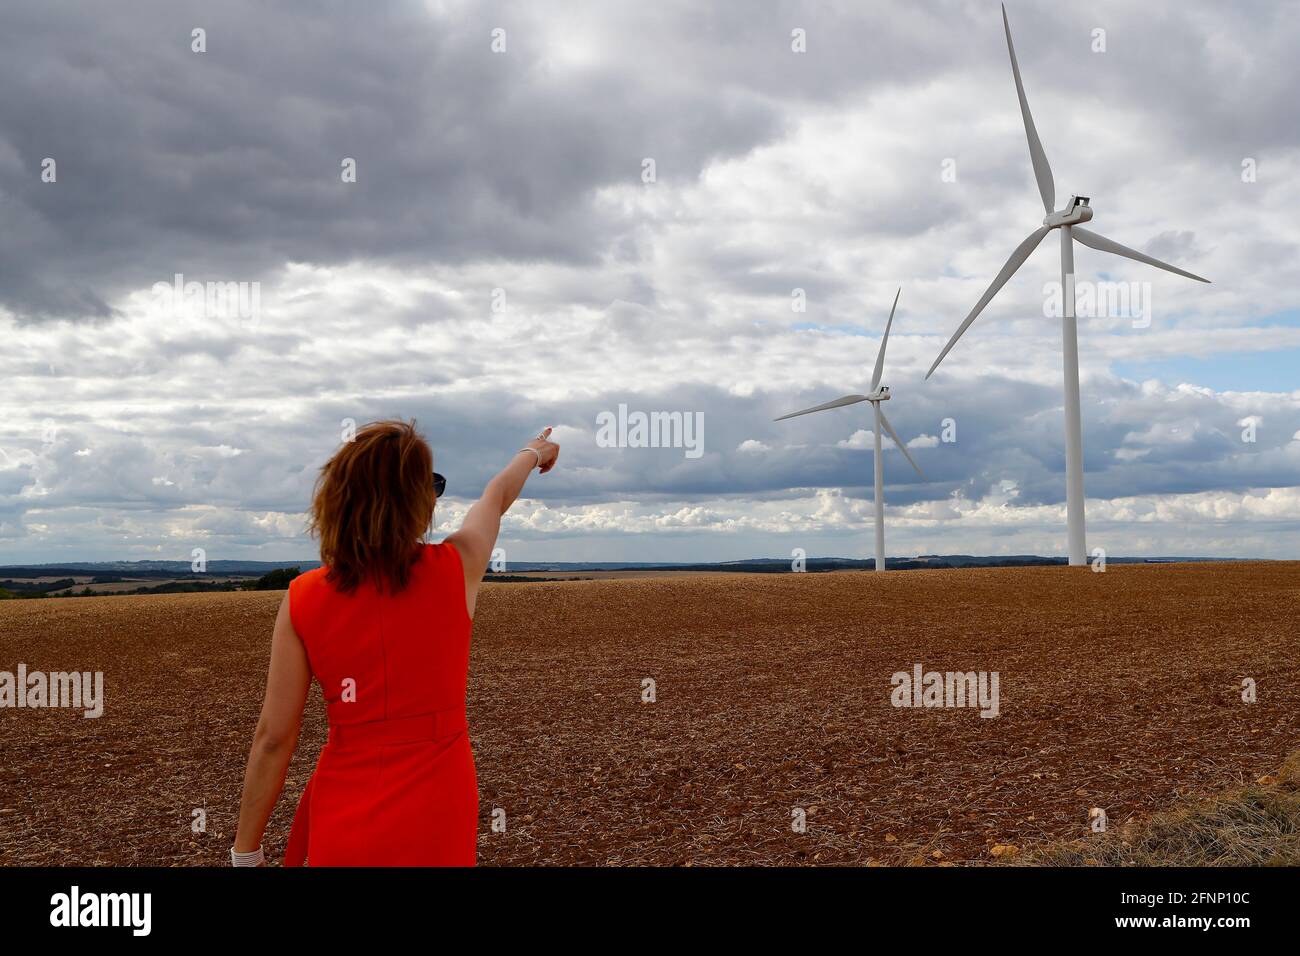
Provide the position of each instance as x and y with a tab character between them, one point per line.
1101	243
1015	262
880	356
846	400
901	447
1042	171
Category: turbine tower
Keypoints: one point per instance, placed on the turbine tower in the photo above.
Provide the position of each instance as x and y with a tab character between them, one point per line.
1067	220
879	393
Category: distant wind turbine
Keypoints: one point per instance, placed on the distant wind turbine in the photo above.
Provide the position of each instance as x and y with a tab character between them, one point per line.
1067	220
879	393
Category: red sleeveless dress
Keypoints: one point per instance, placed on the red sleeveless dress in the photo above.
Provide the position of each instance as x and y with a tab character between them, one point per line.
395	784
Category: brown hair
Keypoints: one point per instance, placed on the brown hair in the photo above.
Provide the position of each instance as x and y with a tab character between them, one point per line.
372	505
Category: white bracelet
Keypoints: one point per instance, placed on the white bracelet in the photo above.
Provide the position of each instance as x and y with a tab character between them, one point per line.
253	858
535	452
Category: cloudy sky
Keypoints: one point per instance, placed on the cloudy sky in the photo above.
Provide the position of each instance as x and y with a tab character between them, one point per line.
501	263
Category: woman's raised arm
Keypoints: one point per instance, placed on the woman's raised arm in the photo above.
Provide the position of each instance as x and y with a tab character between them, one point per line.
478	534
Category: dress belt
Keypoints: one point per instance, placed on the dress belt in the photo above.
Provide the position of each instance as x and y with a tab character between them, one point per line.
400	730
374	733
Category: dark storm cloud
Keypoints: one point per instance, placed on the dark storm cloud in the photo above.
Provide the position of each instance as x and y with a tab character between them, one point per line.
226	163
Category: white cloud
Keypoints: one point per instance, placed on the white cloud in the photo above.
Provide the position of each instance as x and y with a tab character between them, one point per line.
860	439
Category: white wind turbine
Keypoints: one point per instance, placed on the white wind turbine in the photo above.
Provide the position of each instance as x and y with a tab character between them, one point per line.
879	393
1067	220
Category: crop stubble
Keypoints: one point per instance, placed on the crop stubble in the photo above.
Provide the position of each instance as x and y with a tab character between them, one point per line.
1119	690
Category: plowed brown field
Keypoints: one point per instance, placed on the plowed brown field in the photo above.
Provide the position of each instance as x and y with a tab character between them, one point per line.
1119	690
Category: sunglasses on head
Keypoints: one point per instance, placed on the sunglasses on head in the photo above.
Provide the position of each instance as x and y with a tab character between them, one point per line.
439	484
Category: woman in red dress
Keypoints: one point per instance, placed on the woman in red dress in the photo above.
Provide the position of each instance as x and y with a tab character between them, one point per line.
384	626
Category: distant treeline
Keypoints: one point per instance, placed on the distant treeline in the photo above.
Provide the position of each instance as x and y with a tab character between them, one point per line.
815	565
276	580
784	566
500	577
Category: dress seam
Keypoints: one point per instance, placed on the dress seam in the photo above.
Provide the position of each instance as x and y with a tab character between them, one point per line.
383	645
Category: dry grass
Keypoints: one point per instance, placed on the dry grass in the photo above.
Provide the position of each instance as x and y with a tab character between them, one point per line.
1258	825
1118	690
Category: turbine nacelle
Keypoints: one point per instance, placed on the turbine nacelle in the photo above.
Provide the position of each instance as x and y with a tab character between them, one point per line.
1076	212
879	395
